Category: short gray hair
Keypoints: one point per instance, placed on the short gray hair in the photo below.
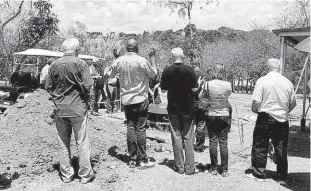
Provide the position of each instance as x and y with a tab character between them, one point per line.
274	63
70	45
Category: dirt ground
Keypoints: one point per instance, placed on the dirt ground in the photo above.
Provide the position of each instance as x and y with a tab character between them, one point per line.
29	148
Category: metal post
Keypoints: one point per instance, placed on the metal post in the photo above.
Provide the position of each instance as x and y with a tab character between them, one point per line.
303	120
282	55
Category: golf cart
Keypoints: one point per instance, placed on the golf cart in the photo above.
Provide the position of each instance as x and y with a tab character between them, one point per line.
25	74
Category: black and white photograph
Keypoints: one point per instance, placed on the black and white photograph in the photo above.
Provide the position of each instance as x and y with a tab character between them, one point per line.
155	95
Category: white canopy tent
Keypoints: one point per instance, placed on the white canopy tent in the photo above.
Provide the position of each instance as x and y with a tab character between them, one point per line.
45	53
48	53
299	38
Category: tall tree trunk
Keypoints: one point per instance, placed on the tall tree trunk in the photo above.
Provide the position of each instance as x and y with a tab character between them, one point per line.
246	87
238	85
232	85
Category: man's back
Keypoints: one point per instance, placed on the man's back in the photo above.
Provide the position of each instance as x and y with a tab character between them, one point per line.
276	94
67	80
134	73
179	79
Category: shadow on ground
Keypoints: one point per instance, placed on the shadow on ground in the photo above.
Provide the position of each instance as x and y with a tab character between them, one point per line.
114	152
298	181
298	143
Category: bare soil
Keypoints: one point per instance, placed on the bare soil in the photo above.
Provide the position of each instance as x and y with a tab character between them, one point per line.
28	151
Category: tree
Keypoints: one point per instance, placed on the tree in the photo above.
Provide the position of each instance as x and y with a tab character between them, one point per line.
296	14
44	23
7	7
184	8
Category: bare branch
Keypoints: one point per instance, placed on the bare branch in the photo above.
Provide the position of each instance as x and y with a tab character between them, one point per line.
14	16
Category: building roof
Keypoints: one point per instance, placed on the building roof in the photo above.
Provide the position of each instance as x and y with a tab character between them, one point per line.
293	36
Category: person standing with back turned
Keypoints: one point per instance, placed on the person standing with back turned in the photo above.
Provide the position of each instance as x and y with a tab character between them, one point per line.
69	82
179	80
273	99
134	73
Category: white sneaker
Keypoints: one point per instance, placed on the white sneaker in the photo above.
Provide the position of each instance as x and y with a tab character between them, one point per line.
257	179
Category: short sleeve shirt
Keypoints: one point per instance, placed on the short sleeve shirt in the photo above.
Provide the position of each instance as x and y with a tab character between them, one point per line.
179	79
134	74
276	95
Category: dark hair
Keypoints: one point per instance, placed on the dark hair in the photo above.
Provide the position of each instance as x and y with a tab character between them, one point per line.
218	72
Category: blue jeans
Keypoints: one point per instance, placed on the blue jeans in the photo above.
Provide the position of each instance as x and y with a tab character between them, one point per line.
218	128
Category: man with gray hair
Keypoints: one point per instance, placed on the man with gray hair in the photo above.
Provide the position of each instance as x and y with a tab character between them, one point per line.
273	99
69	82
180	81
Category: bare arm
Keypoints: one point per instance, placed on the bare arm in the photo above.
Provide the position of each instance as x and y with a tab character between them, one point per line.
255	106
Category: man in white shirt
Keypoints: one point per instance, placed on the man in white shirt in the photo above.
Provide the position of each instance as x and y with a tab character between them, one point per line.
44	72
273	99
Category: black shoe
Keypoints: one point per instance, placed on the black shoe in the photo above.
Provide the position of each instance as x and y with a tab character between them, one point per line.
199	150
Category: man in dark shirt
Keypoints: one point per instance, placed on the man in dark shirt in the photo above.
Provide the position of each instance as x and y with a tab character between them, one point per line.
199	116
69	82
180	81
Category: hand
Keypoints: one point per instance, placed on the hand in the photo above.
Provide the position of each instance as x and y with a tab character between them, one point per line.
201	80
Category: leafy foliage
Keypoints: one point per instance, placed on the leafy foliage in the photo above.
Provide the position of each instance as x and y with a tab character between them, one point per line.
43	23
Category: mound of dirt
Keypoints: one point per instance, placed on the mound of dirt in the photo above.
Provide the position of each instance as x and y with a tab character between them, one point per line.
29	138
26	134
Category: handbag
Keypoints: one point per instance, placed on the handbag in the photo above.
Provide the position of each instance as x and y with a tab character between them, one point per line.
204	103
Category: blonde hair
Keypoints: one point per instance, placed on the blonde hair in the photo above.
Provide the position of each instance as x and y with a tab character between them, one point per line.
218	72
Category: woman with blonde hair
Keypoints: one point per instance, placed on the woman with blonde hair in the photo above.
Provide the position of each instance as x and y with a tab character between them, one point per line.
217	92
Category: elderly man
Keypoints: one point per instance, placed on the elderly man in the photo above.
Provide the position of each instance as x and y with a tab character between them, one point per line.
69	82
273	99
180	81
134	73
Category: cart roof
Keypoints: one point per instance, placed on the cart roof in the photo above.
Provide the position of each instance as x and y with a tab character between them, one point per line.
42	52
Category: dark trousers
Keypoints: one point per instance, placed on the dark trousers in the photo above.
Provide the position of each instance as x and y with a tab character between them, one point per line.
97	92
218	128
182	133
136	116
112	95
267	127
200	122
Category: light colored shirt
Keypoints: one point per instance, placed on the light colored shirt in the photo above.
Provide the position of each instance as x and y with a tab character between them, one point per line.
134	73
218	94
276	95
44	73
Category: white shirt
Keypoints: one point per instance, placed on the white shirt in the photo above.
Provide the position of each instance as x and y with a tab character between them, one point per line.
276	95
44	73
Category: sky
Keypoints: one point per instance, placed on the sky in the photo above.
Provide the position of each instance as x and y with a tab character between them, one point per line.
136	16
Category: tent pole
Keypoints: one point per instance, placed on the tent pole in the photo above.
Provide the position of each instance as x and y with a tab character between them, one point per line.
303	120
282	56
302	72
